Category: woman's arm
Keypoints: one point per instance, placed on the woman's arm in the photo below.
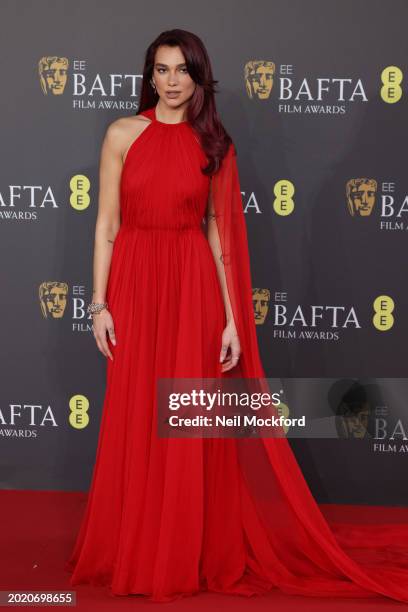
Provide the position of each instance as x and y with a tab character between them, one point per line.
106	227
116	143
230	337
108	217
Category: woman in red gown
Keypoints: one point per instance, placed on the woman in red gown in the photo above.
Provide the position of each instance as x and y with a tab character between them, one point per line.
169	517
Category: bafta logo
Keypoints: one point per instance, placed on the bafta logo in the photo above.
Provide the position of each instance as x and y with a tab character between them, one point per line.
53	299
354	422
361	196
353	412
53	73
258	76
260	298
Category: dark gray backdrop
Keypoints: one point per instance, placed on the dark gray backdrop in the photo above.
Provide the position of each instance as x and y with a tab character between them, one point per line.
319	255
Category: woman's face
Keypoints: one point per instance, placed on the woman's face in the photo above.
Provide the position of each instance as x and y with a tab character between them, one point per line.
173	83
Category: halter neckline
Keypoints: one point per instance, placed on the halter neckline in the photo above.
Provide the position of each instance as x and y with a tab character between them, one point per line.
151	114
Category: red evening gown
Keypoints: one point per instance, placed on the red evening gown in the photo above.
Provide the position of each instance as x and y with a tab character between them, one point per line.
170	517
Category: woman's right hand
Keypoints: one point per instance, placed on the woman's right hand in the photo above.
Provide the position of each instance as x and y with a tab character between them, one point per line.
102	325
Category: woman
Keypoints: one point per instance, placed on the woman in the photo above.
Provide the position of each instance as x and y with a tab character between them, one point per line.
169	517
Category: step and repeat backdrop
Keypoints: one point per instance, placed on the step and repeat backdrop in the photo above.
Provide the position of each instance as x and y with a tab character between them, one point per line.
314	95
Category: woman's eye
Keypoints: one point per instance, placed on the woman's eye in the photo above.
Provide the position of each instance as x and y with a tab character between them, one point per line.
164	69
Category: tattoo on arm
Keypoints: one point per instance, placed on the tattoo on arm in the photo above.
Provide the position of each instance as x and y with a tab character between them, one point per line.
110	240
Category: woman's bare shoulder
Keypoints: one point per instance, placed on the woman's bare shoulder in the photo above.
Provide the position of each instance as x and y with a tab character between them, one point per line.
123	131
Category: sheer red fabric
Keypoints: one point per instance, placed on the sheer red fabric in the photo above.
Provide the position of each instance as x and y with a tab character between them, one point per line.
292	544
227	202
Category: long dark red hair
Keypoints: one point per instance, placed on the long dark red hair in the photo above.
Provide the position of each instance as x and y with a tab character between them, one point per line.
201	113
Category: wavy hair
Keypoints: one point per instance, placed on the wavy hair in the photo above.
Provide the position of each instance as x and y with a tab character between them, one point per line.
201	112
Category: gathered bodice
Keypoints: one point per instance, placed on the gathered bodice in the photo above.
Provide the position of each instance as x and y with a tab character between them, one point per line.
162	185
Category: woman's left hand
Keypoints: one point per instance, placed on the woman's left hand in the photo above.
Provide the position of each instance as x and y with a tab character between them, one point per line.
230	340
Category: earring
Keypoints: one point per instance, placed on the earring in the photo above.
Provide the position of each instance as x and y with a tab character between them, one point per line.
153	84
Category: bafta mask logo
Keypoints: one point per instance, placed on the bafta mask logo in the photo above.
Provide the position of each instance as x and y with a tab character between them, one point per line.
354	421
260	298
361	196
258	76
53	73
53	299
354	412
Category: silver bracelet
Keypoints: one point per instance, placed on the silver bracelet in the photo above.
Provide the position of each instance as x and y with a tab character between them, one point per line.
96	308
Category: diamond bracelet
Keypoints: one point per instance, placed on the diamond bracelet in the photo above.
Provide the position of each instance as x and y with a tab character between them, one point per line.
96	308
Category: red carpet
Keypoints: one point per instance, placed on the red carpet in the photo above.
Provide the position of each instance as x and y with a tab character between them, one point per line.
38	531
